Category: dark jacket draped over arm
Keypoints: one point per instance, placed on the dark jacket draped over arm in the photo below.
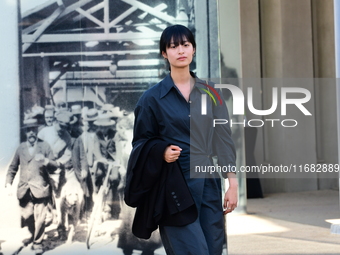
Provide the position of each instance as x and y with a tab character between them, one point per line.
157	188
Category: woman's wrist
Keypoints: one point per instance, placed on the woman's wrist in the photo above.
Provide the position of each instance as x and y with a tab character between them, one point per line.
233	182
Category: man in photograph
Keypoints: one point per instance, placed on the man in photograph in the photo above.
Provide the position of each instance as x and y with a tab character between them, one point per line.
76	128
105	139
57	135
35	159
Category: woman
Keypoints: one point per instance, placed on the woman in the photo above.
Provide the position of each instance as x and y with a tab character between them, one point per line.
171	110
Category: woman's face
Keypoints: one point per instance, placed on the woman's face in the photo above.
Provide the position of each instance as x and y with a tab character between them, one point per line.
180	55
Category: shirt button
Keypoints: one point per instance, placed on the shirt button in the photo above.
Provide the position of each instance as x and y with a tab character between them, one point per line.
178	204
189	101
172	193
189	115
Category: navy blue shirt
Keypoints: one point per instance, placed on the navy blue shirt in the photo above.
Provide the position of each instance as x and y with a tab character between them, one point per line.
162	111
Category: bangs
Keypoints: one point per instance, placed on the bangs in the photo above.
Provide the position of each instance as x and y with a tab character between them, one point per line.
176	34
177	39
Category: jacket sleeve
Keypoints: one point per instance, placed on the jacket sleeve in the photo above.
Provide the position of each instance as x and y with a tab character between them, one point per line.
13	168
133	176
223	145
146	125
79	158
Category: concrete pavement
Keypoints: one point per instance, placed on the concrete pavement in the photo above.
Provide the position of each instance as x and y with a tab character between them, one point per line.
289	223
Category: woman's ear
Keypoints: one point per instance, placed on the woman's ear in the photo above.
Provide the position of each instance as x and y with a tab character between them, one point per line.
164	55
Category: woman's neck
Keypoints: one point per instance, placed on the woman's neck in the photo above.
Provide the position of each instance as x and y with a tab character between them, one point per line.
183	81
181	77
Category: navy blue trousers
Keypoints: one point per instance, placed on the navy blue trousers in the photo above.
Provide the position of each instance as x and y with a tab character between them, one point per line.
206	235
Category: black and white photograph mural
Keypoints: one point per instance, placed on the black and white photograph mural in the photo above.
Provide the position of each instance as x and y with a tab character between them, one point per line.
78	102
83	66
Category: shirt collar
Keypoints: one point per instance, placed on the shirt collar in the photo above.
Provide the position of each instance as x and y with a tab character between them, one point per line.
167	84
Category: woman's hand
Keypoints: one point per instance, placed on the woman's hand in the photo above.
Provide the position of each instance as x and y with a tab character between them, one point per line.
231	197
172	153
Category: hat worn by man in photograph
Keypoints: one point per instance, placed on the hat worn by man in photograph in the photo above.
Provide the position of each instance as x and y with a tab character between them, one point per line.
112	111
91	115
49	107
30	123
64	117
76	109
104	120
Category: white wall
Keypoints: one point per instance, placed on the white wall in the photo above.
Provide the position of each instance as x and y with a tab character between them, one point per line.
9	108
9	82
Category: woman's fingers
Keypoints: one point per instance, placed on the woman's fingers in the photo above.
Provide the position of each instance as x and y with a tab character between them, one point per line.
172	153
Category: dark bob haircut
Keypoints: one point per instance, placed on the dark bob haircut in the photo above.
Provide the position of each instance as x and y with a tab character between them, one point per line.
177	34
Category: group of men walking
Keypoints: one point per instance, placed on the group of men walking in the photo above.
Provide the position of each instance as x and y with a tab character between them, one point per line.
74	141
